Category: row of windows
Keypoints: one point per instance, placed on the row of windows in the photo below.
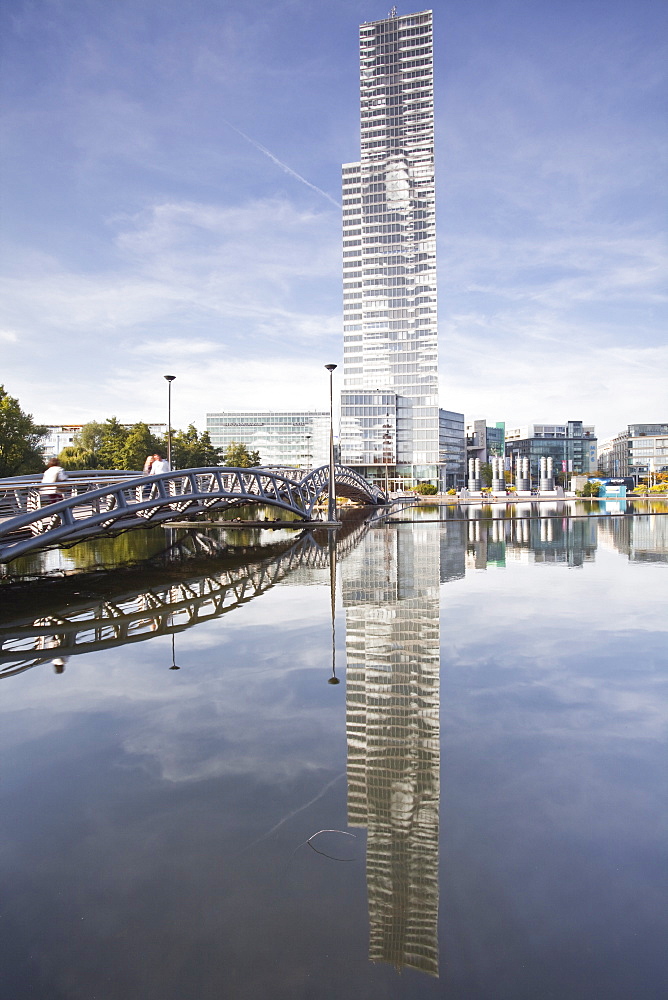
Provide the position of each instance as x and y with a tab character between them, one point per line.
373	89
390	42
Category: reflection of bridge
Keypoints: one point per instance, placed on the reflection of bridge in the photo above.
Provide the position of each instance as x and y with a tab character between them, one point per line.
97	506
162	608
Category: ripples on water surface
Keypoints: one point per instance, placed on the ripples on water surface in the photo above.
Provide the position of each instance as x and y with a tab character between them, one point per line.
496	746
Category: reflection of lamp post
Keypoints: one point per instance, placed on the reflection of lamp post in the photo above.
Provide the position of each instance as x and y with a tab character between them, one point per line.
331	501
170	379
173	666
332	591
387	451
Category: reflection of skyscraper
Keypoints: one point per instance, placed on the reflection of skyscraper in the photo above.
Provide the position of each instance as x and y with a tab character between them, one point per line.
391	596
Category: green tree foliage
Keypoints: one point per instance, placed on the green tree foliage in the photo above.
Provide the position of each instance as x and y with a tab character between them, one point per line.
112	448
426	489
238	456
84	453
591	489
191	450
140	443
111	445
486	473
19	438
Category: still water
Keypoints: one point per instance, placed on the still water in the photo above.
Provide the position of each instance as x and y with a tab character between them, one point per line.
477	811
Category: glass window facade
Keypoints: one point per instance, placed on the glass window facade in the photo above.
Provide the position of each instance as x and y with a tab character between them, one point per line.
636	451
571	445
286	439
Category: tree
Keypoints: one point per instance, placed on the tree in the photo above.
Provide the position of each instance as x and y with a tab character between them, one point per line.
98	446
238	456
191	450
112	446
139	443
84	452
19	438
486	473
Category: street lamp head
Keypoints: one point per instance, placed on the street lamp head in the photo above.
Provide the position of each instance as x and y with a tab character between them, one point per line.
330	368
170	378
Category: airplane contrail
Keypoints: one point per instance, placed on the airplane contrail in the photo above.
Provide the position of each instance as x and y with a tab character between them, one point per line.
279	163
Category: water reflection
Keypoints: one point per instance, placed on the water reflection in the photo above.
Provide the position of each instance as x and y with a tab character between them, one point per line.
391	598
643	538
76	624
472	538
201	788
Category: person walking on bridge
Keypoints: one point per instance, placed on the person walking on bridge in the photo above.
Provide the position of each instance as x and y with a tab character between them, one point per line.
159	465
54	473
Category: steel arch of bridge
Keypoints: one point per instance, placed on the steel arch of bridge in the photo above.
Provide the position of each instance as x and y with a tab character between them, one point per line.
147	500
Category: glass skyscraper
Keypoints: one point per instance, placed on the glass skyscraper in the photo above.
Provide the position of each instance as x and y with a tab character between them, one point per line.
389	403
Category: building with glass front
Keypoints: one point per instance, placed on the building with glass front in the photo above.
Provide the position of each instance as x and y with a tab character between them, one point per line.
571	445
452	450
637	451
389	402
286	439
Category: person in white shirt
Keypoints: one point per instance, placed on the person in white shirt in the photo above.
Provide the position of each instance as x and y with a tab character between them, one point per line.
54	473
159	465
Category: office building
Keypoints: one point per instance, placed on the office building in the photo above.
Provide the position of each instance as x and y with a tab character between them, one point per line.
571	445
298	439
452	450
637	451
389	401
483	441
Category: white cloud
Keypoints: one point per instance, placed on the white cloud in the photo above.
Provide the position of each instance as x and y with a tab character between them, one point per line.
233	300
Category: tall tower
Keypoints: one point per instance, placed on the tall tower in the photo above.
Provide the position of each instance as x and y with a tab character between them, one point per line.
389	403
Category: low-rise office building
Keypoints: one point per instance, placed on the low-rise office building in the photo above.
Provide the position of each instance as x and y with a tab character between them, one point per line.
572	447
637	451
299	438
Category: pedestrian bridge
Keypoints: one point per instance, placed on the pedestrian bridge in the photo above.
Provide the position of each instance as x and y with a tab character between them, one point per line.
107	503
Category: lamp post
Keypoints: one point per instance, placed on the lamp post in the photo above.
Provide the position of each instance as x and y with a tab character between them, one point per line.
307	456
169	379
331	500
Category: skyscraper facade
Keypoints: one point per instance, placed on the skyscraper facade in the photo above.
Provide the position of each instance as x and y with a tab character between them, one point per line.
389	403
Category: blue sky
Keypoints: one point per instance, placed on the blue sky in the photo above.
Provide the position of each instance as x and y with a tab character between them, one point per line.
170	172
